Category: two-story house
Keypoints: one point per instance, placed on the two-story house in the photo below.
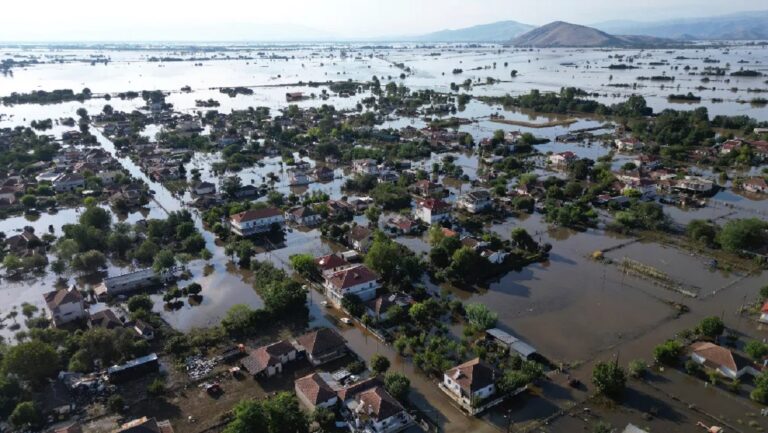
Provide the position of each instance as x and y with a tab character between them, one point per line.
357	280
470	384
432	210
256	221
65	305
475	201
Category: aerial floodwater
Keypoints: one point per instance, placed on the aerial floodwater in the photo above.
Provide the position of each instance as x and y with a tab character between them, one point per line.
607	207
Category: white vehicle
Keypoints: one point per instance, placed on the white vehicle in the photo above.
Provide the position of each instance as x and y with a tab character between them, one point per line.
346	320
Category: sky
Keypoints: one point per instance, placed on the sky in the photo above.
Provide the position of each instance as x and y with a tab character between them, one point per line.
219	20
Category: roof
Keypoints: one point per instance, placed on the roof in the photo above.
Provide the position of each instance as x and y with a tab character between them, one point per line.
354	389
352	277
314	388
105	319
358	233
717	356
756	181
631	428
378	404
765	308
256	214
434	204
321	340
266	356
473	375
145	425
330	261
303	212
64	296
512	342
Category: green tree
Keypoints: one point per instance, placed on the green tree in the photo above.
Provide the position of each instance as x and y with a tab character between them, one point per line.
238	320
89	261
711	327
743	234
325	418
33	361
397	384
305	265
10	394
757	350
480	316
609	379
115	403
164	260
352	303
139	302
668	353
26	415
379	363
96	217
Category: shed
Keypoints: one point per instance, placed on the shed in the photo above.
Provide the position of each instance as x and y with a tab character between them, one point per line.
513	343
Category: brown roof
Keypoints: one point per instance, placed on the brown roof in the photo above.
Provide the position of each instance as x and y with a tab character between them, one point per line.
64	296
265	356
352	390
434	204
378	404
255	214
145	425
352	277
330	261
358	233
105	319
314	389
321	340
717	356
473	375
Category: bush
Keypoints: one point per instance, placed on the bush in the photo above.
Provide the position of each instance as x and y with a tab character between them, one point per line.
156	388
668	353
609	379
379	363
115	403
356	367
711	327
637	368
397	384
692	367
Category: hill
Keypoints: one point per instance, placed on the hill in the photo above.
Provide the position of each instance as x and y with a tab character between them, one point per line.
562	34
501	31
740	26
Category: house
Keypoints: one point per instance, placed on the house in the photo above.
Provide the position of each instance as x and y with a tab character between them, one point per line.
299	178
322	345
331	263
65	305
562	159
470	384
145	425
131	281
374	410
402	225
722	360
203	188
475	201
513	344
360	238
269	360
427	188
365	166
629	144
493	256
379	306
357	280
322	174
105	319
313	391
247	191
695	184
432	210
256	221
68	182
764	313
755	185
729	146
303	215
24	243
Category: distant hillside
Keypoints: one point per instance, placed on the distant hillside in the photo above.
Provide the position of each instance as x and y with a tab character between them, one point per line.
501	31
741	26
562	34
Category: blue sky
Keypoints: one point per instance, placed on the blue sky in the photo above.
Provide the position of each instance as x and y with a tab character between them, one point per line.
296	19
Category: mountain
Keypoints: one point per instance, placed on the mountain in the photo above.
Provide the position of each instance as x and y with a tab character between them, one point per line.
739	26
501	31
562	34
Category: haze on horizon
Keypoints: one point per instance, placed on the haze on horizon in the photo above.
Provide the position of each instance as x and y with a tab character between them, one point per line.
241	20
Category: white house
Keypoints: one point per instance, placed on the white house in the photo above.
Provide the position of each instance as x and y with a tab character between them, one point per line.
475	201
357	280
299	178
432	210
65	306
374	410
470	384
269	360
629	144
365	166
562	158
68	182
131	281
722	360
256	221
313	391
303	215
696	184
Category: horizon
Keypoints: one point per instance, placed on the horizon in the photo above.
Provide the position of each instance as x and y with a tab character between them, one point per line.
305	21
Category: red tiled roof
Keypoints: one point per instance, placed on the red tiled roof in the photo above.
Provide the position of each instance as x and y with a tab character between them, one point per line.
265	356
473	375
314	389
65	296
330	261
377	403
320	341
434	204
352	277
717	356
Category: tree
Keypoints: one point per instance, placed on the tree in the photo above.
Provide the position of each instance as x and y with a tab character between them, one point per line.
379	363
397	384
757	350
305	265
249	417
89	261
760	393
466	266
668	353
194	289
609	379
115	403
230	185
28	201
395	265
353	304
743	234
284	414
26	415
439	257
637	368
373	214
139	302
10	394
156	388
164	260
96	217
325	418
238	320
711	327
480	316
33	361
